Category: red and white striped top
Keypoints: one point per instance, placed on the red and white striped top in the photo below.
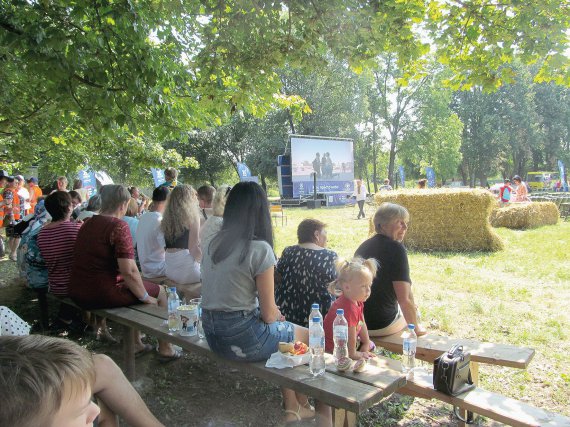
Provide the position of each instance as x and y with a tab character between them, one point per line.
56	246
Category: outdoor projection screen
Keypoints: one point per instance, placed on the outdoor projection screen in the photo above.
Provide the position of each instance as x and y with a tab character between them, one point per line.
331	158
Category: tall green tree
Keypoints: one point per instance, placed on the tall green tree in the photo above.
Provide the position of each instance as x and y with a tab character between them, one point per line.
435	135
89	69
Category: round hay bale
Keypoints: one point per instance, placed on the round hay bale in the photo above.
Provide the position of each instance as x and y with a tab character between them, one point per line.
447	219
521	216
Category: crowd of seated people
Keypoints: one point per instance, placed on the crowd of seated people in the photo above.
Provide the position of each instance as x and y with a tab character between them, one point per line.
224	240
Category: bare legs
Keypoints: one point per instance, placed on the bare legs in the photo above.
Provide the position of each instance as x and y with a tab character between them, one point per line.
118	396
164	347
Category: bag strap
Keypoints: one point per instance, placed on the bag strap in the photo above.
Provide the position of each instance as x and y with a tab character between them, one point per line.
469	419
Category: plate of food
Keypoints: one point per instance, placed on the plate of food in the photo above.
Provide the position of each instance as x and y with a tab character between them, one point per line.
290	354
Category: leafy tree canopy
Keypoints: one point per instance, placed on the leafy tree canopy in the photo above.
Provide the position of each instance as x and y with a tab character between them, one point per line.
100	70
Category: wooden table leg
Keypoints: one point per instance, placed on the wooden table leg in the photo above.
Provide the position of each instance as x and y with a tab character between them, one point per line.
339	417
129	352
474	366
344	418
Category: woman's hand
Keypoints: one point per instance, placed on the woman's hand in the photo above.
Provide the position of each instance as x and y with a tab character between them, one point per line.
150	300
421	330
361	355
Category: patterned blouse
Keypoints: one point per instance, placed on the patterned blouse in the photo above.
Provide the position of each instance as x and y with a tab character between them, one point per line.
306	274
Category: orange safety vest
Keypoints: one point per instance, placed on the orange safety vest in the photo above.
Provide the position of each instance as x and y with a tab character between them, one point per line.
14	207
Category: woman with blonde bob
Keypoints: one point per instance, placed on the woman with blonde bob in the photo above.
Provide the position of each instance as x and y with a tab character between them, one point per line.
391	304
181	225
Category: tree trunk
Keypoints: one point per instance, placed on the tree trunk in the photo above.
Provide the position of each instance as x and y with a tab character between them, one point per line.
463	169
291	123
263	183
374	155
393	140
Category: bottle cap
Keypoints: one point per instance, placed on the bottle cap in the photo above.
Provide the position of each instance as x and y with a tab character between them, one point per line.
411	326
315	306
339	311
316	319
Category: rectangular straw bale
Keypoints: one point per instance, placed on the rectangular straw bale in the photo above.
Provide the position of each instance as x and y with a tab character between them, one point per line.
525	215
447	219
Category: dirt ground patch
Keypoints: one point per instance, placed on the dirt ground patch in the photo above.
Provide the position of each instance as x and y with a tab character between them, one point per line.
197	392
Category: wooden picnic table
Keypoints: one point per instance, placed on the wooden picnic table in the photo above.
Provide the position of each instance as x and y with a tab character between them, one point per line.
349	393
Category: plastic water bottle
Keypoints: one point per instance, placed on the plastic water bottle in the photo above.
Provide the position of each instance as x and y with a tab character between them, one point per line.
173	303
409	349
340	338
317	347
315	312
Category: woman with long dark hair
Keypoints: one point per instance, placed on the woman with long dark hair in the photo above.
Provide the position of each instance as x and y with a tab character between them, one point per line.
241	320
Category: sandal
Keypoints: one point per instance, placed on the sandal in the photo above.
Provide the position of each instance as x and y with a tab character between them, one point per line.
175	356
146	349
297	414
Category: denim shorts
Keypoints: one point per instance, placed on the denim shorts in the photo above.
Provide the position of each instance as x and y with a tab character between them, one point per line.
243	336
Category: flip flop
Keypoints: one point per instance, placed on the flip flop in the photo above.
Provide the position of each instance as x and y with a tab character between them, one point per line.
175	356
146	349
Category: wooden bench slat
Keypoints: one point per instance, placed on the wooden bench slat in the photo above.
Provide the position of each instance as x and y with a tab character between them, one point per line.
431	346
486	403
335	390
380	372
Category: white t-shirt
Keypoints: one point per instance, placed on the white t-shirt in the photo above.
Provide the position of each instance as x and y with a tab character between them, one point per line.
361	195
25	194
150	245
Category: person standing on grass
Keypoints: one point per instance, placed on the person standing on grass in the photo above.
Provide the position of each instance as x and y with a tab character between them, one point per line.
360	195
506	191
391	305
35	192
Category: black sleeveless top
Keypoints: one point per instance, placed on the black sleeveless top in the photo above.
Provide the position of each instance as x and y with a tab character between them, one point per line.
181	242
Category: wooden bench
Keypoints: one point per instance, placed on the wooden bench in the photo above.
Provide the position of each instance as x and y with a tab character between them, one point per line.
478	401
486	403
349	393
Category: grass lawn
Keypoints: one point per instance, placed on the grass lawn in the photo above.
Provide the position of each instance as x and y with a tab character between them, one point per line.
518	296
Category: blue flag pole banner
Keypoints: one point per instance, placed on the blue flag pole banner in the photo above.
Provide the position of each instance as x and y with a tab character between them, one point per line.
243	171
89	181
402	175
430	175
157	176
562	175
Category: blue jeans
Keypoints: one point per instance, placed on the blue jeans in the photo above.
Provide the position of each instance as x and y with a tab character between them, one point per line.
243	336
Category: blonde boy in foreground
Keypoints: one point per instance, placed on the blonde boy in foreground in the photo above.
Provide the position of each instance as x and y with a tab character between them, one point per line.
49	382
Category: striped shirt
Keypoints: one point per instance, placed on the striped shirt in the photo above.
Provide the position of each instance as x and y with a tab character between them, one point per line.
56	246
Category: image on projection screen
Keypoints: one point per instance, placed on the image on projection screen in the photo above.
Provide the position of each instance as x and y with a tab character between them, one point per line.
332	160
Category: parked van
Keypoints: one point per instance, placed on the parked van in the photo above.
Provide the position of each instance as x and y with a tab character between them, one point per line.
541	180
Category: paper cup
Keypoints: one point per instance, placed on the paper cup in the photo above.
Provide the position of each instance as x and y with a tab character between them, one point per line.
188	315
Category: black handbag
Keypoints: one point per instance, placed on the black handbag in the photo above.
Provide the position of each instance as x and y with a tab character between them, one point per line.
452	375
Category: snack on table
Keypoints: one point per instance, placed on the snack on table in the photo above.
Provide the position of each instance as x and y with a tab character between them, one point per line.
343	364
300	348
295	349
360	365
286	347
